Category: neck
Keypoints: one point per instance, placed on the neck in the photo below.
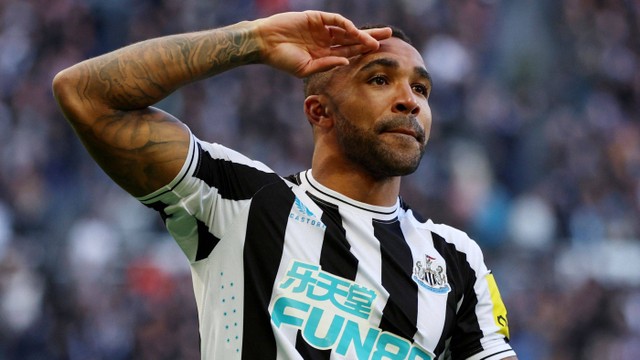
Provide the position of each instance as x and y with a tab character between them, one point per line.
356	183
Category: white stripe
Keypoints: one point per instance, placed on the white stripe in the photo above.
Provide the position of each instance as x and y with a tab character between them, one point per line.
431	306
369	258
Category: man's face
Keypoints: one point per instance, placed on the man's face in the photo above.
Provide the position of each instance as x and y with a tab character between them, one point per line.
381	110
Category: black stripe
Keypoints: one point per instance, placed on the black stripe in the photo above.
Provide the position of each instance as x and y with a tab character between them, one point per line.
336	258
400	314
463	327
308	352
264	243
294	178
206	241
234	181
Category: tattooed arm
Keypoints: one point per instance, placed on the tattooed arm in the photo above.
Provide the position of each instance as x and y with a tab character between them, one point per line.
108	99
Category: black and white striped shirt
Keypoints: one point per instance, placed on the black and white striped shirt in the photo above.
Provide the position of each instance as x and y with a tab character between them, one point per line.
285	268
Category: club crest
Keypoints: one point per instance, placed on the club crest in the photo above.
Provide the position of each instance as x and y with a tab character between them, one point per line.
431	275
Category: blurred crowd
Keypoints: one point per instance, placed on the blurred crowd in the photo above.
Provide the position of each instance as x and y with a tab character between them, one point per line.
535	152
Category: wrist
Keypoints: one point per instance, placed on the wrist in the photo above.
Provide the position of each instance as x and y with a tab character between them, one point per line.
248	44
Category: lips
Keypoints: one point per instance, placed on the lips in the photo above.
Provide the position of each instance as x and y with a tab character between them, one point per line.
404	131
404	126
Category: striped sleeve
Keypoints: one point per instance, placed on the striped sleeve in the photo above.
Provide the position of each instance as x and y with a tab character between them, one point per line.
481	328
214	184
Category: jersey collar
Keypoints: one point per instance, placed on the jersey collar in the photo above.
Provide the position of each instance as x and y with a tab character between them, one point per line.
310	184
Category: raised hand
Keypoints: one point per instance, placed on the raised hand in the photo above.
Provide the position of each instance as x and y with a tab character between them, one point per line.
313	41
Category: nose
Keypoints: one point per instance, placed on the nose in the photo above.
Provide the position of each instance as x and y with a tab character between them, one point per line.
406	102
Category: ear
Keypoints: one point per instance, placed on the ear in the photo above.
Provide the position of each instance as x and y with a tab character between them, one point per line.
317	111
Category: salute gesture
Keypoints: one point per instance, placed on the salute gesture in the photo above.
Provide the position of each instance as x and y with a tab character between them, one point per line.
107	99
313	41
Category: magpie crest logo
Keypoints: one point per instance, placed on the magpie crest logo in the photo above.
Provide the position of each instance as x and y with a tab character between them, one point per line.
431	274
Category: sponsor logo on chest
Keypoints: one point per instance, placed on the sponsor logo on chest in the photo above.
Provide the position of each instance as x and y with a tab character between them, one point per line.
301	213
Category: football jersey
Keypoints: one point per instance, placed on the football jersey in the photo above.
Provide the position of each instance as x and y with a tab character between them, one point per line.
286	268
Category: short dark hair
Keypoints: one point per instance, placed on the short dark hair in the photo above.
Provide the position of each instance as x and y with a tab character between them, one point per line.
395	31
314	82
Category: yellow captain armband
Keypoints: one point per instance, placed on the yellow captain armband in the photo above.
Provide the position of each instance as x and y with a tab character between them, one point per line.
499	310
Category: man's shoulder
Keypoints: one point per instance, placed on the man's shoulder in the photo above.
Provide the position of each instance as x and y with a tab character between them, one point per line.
447	234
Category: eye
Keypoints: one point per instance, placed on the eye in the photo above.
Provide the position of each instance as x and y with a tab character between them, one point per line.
421	89
378	80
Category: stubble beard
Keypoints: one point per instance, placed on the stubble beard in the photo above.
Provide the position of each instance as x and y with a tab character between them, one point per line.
366	150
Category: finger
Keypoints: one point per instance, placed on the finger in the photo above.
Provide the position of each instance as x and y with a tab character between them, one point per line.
333	19
322	64
349	29
370	38
340	38
348	51
337	34
380	33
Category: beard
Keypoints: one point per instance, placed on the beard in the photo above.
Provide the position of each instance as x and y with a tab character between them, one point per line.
380	159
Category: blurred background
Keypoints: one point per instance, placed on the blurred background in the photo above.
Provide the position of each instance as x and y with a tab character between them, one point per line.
535	152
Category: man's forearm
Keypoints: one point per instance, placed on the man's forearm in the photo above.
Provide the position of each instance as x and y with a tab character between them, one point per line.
142	74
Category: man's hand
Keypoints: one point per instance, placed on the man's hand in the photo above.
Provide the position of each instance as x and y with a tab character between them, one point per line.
312	41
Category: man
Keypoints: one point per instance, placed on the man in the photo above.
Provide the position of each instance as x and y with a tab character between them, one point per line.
330	262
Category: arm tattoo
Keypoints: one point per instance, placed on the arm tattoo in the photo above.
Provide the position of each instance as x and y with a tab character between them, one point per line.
136	147
142	74
108	100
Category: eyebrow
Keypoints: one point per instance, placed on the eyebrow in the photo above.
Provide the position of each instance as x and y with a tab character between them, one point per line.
393	64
